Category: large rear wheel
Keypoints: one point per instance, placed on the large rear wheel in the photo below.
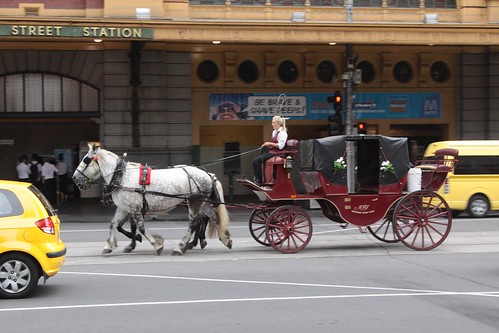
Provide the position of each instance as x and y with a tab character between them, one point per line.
288	229
422	220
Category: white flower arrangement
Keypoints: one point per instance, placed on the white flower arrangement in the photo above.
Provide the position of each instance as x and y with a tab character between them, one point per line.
339	164
387	166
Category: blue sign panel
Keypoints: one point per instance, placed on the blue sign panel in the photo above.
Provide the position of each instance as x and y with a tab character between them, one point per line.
308	106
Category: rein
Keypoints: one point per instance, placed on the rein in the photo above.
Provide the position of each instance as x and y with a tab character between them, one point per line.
220	160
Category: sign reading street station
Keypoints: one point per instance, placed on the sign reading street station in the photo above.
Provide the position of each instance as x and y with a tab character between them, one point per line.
64	31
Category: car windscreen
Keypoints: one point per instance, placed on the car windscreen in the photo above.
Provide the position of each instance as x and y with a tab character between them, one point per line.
50	210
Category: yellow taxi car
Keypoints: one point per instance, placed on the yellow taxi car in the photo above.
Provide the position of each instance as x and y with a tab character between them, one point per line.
30	243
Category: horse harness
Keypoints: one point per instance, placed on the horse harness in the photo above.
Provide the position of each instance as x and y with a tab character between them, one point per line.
115	182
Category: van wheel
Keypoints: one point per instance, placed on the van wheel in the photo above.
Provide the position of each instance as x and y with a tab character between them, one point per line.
478	206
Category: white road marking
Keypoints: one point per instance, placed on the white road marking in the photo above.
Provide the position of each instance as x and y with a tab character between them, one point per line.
398	293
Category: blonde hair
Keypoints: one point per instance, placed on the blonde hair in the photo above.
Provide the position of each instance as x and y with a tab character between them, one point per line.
281	120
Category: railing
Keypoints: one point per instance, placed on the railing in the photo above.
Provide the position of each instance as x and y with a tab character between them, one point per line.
441	4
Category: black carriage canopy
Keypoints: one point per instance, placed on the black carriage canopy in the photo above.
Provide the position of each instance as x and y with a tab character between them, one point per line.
381	159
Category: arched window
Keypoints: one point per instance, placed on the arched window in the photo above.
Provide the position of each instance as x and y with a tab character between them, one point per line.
44	94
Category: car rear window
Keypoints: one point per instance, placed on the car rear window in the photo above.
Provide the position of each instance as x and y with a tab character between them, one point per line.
48	207
9	204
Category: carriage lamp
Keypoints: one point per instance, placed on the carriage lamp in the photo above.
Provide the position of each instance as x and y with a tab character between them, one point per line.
289	163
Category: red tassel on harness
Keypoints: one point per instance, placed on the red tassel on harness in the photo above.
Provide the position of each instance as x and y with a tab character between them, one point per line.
145	175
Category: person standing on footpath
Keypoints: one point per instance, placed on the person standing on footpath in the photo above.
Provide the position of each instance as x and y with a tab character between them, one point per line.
62	175
279	138
35	171
23	169
49	172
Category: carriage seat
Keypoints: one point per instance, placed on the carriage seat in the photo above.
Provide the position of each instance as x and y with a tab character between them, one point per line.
291	149
441	162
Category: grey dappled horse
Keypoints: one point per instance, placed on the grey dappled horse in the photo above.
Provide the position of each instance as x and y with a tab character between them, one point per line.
167	189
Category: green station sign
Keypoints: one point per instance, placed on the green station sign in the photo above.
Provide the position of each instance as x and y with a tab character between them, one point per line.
78	32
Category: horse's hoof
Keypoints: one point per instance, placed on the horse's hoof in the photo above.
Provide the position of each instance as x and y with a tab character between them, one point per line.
106	251
203	244
190	246
159	250
229	244
128	249
176	253
138	238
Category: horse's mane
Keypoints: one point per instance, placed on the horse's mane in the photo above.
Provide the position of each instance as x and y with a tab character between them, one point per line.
109	154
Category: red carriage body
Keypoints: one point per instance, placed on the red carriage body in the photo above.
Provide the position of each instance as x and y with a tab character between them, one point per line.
380	201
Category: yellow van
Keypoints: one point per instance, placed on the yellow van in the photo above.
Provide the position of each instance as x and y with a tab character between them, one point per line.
474	185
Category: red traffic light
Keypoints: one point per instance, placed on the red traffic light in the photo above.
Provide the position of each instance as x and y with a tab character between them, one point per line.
361	128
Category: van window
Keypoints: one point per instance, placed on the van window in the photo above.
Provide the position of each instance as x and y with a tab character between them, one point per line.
477	165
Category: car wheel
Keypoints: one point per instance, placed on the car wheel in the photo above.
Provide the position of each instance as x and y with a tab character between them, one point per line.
19	275
478	206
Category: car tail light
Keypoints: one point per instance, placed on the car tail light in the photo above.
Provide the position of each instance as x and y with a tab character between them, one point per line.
46	225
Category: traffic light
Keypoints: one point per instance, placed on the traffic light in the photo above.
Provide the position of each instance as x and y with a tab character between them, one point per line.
335	126
337	101
361	128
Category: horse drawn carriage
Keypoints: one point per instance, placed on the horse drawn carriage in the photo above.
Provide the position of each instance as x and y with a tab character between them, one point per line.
379	199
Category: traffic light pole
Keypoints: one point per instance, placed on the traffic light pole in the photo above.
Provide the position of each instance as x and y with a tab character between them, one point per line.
350	145
348	82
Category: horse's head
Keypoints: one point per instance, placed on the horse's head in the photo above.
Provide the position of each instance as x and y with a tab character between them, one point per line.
88	171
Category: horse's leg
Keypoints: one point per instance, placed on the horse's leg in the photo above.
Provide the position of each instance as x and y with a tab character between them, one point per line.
120	216
133	227
202	231
156	240
199	234
138	237
195	219
194	242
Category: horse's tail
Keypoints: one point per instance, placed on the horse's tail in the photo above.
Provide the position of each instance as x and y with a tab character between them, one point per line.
223	218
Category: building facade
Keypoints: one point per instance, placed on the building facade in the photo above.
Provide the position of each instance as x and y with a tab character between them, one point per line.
177	82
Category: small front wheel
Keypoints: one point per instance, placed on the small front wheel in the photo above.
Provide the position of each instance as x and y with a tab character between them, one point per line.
288	229
422	220
257	221
19	275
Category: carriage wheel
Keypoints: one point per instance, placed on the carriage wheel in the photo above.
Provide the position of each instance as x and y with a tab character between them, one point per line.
422	220
383	230
257	221
288	229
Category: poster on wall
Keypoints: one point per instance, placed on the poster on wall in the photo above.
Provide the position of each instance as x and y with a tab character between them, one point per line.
309	106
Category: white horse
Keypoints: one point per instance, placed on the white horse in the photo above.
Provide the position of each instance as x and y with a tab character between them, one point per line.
158	190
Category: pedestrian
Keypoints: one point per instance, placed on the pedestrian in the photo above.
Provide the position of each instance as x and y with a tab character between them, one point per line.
62	175
271	148
49	172
35	171
23	169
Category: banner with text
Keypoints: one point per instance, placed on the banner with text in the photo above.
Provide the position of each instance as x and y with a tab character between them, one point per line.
247	106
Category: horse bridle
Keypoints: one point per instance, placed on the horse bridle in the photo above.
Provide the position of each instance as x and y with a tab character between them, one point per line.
87	160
